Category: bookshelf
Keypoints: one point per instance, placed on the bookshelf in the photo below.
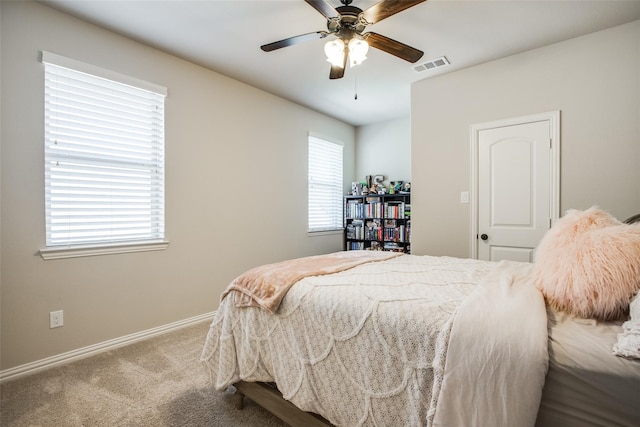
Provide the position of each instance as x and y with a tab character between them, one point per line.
378	222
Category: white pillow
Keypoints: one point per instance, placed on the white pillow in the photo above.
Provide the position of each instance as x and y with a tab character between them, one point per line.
628	344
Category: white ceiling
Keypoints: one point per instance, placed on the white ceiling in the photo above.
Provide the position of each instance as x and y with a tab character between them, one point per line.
225	36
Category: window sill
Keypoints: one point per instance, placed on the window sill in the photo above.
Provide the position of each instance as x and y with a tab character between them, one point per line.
324	232
93	250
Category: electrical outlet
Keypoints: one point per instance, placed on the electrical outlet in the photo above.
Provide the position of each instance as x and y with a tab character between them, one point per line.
56	319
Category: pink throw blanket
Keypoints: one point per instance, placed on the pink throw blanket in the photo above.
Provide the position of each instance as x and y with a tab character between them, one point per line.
266	285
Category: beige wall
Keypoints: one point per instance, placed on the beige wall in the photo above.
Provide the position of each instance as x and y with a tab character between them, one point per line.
593	80
384	149
236	179
0	191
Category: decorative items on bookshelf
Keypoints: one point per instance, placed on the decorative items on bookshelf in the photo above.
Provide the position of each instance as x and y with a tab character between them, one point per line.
378	222
373	185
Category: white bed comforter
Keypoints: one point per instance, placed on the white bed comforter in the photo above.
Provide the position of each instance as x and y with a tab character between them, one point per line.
411	341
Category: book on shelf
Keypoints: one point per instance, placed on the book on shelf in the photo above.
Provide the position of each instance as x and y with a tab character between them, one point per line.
394	209
391	246
355	230
373	210
394	234
354	209
355	246
373	230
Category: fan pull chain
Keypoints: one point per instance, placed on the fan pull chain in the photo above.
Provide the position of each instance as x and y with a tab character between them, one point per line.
355	89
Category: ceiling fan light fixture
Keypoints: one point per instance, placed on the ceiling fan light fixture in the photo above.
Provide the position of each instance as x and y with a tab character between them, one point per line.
335	52
347	24
358	49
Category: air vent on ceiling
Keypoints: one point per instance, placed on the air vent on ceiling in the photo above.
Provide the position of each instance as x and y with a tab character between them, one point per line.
432	65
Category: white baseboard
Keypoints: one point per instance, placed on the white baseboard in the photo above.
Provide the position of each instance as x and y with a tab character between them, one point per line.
49	362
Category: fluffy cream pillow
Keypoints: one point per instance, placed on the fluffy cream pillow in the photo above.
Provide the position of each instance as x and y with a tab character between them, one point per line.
588	264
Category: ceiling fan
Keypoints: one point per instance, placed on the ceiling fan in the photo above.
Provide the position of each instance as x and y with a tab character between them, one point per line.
347	23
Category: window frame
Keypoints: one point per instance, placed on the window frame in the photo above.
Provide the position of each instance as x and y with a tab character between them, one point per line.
338	221
110	245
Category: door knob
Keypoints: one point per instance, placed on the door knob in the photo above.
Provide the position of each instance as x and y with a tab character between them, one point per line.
484	236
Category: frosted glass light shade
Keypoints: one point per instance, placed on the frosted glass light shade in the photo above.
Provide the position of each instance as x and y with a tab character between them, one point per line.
334	51
358	49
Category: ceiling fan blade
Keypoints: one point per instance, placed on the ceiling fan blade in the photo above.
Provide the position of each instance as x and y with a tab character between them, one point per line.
294	40
386	8
393	47
338	72
324	8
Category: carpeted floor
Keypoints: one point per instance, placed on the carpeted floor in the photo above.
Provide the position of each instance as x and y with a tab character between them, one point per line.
157	382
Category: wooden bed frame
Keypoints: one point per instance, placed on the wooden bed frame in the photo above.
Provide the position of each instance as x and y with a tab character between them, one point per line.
632	219
267	396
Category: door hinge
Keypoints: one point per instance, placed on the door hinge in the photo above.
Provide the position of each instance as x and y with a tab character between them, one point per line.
550	143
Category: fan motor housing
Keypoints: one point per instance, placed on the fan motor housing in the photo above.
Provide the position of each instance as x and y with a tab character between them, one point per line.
349	18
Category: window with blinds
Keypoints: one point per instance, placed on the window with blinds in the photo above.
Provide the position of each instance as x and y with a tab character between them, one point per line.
104	156
325	185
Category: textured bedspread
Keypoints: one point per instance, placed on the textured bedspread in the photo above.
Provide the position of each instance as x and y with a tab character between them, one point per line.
363	347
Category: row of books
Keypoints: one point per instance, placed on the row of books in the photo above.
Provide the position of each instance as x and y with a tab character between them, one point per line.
399	210
394	234
395	210
355	246
374	230
376	246
390	246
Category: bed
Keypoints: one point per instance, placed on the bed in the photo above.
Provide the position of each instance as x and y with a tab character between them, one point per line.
586	384
362	338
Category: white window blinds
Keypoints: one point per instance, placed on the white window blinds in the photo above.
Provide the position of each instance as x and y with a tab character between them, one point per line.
325	185
104	157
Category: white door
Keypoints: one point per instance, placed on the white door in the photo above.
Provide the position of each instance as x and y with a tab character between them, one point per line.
516	186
